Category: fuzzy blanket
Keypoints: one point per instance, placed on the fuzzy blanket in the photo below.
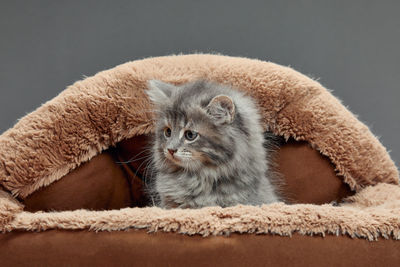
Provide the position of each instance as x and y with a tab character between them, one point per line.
100	111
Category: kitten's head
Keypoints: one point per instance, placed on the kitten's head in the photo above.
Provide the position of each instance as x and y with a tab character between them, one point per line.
193	125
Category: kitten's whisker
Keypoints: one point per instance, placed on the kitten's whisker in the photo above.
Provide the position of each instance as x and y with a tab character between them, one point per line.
130	161
141	158
141	152
133	159
148	165
138	168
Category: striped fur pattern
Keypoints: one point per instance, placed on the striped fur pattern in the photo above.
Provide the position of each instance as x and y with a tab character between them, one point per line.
208	147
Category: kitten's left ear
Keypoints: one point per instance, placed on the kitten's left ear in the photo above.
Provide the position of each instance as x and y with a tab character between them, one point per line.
222	109
159	92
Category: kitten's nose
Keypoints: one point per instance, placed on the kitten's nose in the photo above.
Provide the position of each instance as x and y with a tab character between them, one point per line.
171	151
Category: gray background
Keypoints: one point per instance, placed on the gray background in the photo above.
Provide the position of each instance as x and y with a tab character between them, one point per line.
352	46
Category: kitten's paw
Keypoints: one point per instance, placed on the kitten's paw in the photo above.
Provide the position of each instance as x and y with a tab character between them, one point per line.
335	203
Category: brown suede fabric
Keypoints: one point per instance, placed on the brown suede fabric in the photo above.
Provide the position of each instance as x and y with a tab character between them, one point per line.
309	177
104	182
99	184
99	112
135	156
138	248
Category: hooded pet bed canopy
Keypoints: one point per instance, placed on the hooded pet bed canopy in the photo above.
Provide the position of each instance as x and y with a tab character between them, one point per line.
111	111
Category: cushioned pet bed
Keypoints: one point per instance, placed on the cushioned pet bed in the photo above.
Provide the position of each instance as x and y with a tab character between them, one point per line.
66	195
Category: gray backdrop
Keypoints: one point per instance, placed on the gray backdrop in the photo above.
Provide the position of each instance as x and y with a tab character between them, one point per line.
352	46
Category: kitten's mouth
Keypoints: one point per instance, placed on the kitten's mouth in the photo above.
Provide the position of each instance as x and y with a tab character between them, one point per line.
173	159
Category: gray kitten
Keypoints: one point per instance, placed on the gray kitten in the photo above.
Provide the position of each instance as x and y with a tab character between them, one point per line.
208	147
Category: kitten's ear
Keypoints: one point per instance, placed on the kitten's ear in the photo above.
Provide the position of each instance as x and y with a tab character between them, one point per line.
222	109
159	92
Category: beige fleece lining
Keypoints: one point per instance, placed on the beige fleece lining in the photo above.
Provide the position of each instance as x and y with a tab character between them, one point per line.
371	217
98	112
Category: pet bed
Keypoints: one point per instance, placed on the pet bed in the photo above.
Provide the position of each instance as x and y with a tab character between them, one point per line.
66	199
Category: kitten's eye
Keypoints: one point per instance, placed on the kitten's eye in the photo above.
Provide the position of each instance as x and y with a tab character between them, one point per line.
190	135
167	132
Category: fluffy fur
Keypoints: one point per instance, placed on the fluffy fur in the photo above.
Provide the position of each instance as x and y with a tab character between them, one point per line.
96	113
222	161
373	214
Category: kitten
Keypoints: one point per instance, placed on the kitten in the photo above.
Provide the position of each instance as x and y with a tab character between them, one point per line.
208	147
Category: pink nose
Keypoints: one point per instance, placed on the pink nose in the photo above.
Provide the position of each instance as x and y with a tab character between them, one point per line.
171	151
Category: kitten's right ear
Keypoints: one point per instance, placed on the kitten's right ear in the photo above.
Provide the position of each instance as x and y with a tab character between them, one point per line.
222	109
159	92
